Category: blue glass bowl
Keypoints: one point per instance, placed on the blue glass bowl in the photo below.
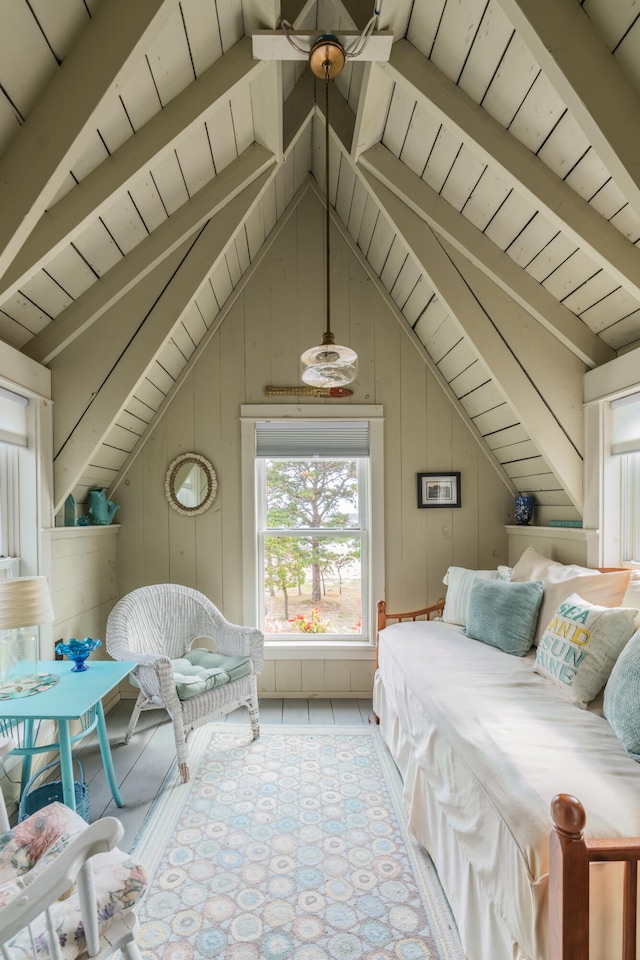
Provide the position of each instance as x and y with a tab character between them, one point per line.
78	651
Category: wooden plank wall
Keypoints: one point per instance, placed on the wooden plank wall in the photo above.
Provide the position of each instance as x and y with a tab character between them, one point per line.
83	583
280	313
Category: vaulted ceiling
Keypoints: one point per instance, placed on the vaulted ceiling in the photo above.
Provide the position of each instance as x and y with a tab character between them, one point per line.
487	174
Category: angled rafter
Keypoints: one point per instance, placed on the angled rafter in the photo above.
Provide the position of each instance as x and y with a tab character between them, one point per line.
298	107
516	384
82	205
119	382
375	94
106	344
108	49
588	80
482	252
498	148
95	301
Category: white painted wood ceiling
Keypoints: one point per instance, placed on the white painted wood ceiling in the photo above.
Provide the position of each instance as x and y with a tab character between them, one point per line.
488	177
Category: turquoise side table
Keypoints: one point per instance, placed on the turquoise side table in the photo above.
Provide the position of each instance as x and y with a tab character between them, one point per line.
76	696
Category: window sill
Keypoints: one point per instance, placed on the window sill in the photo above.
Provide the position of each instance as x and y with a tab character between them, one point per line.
319	650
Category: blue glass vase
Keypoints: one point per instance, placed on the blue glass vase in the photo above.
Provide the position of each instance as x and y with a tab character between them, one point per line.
78	651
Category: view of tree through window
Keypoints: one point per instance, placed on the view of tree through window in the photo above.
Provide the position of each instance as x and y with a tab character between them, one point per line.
312	547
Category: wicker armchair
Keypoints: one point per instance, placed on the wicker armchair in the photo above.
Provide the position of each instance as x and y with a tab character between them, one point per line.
157	624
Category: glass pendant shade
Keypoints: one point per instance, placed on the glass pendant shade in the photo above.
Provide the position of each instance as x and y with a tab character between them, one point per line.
329	365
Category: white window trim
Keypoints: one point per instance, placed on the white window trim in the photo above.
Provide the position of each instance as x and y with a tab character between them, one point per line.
602	475
313	650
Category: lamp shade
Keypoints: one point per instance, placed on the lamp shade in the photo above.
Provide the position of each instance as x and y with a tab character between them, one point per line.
24	602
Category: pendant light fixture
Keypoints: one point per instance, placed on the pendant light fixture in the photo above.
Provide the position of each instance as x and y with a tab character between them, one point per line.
328	364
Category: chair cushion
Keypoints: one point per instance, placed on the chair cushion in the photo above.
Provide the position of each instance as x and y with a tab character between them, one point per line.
39	838
201	670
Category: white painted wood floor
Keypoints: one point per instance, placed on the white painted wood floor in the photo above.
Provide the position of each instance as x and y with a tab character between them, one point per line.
142	765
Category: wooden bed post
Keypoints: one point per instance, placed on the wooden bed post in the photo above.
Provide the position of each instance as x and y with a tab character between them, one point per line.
568	881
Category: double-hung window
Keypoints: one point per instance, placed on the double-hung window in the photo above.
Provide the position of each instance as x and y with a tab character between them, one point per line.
314	537
625	445
13	436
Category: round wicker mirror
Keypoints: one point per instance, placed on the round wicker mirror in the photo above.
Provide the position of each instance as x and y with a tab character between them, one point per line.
191	484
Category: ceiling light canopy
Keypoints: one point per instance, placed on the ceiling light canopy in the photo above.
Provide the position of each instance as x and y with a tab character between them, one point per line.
329	364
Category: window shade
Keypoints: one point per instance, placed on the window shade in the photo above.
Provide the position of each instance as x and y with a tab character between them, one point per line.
626	424
312	438
13	418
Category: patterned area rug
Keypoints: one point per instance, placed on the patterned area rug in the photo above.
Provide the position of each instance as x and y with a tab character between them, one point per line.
289	848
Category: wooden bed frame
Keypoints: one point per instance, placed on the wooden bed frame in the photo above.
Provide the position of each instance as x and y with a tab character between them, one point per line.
571	853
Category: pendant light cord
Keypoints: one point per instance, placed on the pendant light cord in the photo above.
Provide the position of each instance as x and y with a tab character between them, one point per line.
328	336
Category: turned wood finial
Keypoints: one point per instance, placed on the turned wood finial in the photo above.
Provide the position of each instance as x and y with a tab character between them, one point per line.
568	815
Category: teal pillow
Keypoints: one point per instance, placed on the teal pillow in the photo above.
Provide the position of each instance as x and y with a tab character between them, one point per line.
504	614
621	704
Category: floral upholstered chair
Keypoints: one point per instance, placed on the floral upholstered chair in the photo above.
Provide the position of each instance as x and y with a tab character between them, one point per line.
66	890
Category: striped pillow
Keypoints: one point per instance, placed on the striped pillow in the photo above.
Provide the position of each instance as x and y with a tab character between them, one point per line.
460	582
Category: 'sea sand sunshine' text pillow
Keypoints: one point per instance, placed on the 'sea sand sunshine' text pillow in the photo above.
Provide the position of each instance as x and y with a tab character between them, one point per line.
580	645
504	614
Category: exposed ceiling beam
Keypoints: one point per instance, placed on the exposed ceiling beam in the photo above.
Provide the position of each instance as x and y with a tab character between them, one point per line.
117	384
266	106
298	108
105	345
505	272
86	201
375	96
274	45
516	384
95	301
500	150
260	15
109	49
584	72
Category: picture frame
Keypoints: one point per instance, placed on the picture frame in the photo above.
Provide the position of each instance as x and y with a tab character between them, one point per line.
439	490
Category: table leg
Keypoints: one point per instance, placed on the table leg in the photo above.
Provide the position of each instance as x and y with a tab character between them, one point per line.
25	774
107	760
66	764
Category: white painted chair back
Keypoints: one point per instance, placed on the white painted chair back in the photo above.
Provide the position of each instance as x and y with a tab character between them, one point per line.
66	890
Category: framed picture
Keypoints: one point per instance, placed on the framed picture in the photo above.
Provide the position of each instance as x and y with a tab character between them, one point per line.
439	490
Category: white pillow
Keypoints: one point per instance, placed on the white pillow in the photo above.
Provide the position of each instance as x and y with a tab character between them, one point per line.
561	580
533	566
580	645
459	583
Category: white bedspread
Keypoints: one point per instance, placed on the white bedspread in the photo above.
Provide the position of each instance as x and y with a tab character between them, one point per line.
495	743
